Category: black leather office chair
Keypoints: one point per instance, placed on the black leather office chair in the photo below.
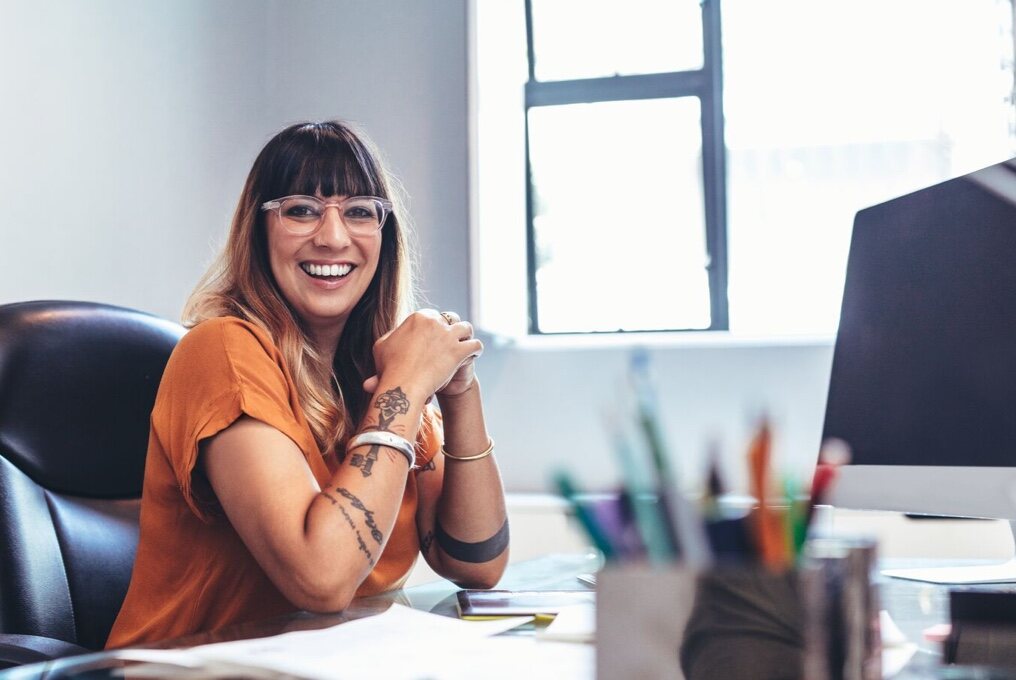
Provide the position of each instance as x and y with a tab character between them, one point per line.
77	385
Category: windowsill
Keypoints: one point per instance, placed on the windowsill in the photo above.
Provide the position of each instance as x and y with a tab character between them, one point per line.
662	340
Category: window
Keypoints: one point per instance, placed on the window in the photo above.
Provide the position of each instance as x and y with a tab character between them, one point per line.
649	177
625	189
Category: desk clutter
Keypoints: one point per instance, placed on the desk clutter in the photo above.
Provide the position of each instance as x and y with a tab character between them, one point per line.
696	589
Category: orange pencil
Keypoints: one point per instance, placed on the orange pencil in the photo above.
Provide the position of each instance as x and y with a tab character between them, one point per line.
767	525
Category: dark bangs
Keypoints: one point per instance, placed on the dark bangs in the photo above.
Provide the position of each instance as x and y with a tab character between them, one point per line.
325	158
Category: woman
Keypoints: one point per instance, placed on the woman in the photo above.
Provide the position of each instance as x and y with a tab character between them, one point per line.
293	461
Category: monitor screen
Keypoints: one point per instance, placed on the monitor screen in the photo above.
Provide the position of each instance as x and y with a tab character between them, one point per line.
923	382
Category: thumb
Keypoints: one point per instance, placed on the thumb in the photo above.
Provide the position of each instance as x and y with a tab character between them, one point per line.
370	384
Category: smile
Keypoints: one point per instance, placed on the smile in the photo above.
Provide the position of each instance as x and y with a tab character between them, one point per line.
326	270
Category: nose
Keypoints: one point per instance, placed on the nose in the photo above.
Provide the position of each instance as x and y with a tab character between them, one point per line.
332	231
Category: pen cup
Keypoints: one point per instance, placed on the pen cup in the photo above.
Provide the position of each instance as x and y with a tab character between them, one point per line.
819	621
841	610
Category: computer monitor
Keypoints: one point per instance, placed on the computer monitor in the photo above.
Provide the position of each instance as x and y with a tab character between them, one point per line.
923	382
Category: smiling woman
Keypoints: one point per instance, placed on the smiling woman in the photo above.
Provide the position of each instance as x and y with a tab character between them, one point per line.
294	461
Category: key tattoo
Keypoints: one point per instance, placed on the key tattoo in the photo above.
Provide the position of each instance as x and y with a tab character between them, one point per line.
392	403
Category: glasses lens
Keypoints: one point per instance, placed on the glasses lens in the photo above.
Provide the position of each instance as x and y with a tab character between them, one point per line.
363	214
301	214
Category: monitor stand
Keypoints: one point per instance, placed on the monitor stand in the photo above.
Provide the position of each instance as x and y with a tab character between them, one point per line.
1001	572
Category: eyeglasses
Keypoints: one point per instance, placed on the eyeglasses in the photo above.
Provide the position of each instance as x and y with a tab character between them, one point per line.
303	215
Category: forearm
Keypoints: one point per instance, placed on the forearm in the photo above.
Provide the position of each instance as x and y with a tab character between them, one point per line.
359	506
471	520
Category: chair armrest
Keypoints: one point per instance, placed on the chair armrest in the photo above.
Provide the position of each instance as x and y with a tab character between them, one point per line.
16	650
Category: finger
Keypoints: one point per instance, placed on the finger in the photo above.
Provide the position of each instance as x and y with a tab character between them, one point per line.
471	348
463	330
370	384
451	317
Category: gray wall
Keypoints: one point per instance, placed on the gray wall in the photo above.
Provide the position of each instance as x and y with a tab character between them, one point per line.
126	129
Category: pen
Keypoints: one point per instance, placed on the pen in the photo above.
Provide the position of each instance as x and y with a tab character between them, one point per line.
648	519
586	519
833	454
797	517
769	539
715	487
684	525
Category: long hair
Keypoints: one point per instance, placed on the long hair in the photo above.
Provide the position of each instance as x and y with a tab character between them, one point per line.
333	159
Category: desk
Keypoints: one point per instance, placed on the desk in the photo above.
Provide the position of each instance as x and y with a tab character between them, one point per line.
913	605
554	572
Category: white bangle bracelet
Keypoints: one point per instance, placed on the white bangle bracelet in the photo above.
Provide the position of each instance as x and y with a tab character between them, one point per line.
392	441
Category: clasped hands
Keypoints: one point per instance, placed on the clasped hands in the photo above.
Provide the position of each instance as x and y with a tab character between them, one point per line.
431	351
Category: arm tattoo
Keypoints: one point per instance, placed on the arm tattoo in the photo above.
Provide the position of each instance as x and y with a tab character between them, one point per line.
391	403
425	542
427	468
475	553
349	520
359	538
368	515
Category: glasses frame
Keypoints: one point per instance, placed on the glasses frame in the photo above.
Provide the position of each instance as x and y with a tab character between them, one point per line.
276	205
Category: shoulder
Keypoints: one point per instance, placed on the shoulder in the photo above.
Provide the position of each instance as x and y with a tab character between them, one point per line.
225	333
219	351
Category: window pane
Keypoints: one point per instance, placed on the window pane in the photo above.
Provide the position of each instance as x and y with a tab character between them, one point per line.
618	220
596	38
838	106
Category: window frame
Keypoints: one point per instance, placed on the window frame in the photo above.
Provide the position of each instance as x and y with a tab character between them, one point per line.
706	84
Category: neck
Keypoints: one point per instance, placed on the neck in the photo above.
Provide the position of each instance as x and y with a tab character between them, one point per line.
326	341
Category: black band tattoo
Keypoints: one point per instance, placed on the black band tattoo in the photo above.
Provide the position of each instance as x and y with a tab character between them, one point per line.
368	515
425	542
391	403
359	538
333	499
475	553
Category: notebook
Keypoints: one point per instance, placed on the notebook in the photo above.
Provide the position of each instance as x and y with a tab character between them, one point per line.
519	602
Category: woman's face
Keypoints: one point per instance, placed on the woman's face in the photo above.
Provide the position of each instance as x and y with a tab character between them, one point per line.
322	299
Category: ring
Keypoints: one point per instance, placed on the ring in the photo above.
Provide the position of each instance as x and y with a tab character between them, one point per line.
449	318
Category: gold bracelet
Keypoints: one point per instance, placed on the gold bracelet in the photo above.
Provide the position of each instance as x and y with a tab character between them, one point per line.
490	450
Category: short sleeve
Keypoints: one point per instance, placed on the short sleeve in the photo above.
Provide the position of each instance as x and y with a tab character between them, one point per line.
221	369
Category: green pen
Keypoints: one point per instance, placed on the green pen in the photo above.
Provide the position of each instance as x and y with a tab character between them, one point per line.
797	517
586	519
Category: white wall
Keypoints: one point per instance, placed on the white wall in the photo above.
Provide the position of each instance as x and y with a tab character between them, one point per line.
119	132
126	129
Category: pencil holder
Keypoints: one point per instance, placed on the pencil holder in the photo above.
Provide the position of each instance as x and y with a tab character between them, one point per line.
818	621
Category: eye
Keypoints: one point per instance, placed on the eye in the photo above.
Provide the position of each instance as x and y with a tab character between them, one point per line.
361	212
301	209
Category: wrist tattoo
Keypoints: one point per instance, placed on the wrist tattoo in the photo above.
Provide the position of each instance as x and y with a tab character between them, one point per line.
368	515
475	553
390	404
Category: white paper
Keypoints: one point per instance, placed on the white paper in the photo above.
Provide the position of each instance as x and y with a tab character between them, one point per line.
572	624
399	643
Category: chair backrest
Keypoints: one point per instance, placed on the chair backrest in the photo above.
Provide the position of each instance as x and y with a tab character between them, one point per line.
77	385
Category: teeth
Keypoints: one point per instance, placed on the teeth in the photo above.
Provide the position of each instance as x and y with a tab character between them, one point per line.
327	269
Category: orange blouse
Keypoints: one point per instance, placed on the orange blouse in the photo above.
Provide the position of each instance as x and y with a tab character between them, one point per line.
192	572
